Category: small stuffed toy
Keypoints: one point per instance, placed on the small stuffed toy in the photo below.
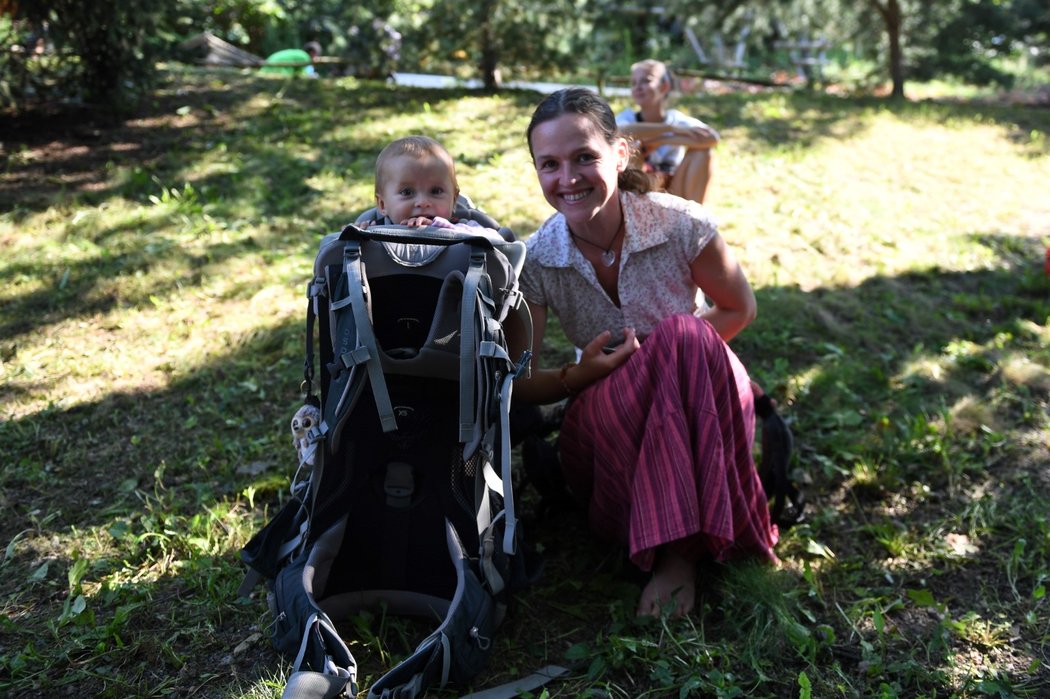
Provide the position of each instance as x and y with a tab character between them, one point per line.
306	418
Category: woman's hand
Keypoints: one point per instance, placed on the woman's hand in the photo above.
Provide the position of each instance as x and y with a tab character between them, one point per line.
551	385
597	362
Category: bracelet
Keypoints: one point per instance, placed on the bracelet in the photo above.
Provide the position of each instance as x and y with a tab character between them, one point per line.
561	377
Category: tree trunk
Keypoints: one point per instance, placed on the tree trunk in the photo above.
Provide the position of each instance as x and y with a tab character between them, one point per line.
893	19
489	63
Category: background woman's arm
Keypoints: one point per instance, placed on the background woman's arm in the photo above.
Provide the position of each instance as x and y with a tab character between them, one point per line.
654	134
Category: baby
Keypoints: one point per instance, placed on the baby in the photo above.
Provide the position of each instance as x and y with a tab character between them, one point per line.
416	185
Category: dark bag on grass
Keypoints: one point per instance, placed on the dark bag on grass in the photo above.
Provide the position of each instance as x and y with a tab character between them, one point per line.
403	496
786	501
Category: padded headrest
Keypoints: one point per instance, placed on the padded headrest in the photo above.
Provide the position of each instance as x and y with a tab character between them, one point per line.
464	209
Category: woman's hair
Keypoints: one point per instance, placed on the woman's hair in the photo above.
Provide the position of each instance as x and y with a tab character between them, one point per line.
580	100
415	147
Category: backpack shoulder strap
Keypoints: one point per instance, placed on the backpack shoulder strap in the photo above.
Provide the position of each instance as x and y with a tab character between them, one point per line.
366	352
468	347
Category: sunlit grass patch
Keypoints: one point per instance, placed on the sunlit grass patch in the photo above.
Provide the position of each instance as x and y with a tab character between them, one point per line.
152	303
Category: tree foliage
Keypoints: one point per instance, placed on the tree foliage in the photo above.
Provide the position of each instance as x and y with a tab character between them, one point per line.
490	36
911	39
259	26
104	53
968	42
109	48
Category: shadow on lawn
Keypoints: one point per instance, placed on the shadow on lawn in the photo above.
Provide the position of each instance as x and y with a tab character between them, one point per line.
271	137
95	285
878	326
284	132
53	156
211	435
223	429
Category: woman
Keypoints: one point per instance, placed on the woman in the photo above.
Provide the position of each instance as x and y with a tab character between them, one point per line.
676	147
657	437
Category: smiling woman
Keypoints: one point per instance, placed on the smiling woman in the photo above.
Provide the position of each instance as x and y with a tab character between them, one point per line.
658	432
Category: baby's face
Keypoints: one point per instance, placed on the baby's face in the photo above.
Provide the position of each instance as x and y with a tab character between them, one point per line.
415	187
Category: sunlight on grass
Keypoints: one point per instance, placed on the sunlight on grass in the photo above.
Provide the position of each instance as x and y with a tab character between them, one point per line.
152	303
1023	371
875	202
265	688
186	331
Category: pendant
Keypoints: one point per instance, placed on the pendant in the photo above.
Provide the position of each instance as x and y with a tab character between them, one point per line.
609	258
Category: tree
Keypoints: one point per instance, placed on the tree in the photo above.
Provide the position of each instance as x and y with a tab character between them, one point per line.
969	42
890	11
914	38
111	47
535	36
487	44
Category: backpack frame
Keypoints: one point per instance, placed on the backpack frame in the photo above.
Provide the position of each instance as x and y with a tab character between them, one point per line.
403	495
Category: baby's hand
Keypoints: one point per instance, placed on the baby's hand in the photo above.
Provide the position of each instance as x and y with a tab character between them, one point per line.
418	222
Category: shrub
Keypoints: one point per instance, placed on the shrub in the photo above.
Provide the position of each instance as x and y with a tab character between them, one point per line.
102	54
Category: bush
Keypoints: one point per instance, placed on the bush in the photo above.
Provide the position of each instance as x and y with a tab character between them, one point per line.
102	54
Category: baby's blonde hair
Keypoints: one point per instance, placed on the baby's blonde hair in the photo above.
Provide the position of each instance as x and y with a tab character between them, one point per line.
415	147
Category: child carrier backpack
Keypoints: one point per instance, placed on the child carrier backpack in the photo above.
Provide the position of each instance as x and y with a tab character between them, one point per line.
403	495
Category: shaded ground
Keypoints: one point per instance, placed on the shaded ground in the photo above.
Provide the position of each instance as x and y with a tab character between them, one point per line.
974	511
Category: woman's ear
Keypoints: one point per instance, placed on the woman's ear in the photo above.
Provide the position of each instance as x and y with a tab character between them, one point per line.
623	154
665	88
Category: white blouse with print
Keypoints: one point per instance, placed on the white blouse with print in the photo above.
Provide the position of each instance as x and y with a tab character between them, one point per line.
663	235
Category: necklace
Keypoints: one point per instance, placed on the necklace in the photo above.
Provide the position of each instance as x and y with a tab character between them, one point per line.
608	254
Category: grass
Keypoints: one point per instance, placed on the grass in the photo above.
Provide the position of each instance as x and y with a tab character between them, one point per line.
151	306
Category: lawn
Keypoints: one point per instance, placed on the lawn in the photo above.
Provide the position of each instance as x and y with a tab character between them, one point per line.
152	296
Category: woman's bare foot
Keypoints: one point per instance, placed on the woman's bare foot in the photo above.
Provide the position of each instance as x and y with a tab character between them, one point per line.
673	580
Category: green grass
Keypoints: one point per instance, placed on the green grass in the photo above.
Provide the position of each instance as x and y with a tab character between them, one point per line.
151	308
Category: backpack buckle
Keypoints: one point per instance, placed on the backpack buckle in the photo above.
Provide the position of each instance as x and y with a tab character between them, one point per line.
399	485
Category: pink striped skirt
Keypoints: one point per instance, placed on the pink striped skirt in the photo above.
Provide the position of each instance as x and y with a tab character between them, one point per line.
660	450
